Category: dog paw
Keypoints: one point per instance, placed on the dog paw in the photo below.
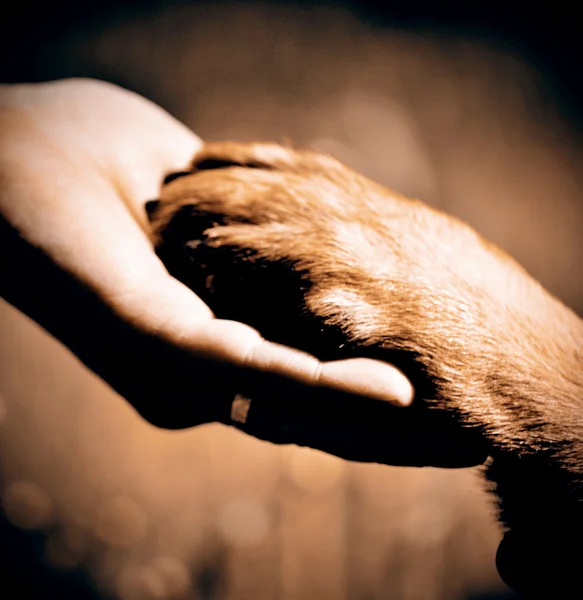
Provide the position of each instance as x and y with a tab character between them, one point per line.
316	256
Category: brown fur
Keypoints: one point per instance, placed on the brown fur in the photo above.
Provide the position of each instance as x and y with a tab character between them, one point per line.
317	256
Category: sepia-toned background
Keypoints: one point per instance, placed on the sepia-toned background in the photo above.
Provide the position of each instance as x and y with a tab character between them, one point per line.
98	504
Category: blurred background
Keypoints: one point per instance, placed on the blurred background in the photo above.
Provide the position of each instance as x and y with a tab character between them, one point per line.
473	107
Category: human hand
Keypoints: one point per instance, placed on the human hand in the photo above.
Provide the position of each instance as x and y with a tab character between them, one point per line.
78	161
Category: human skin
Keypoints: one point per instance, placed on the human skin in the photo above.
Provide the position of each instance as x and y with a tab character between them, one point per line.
78	161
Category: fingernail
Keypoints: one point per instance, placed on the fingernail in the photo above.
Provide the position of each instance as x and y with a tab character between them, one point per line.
371	378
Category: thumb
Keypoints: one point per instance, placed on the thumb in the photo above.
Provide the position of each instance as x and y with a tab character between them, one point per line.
162	306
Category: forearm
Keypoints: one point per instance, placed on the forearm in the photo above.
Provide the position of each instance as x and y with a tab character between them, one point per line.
538	469
538	384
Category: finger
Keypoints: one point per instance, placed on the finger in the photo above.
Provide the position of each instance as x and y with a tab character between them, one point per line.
379	435
165	307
